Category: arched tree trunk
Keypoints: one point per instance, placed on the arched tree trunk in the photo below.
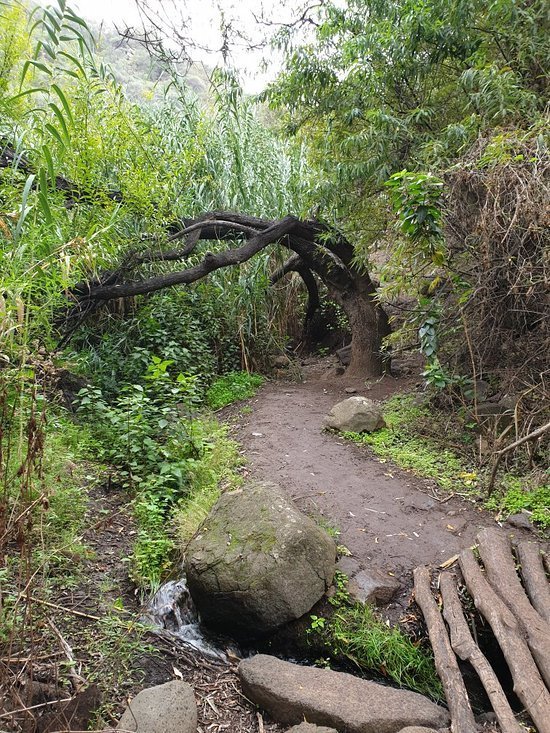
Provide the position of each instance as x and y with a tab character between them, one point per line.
315	251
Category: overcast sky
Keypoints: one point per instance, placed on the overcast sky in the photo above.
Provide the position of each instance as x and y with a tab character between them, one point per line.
201	21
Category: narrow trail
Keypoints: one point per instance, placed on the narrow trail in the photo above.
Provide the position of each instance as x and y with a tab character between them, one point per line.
387	518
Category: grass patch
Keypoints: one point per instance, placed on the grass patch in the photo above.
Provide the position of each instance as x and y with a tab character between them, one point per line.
423	455
231	388
517	496
216	470
356	633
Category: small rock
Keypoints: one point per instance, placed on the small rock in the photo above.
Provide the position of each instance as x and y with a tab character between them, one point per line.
417	729
357	414
169	707
289	692
487	719
310	728
344	355
520	521
372	586
281	361
482	391
350	390
348	565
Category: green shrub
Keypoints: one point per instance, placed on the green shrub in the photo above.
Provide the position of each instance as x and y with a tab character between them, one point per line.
231	388
518	496
423	455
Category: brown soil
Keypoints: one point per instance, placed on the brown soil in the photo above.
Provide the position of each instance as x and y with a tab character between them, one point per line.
389	519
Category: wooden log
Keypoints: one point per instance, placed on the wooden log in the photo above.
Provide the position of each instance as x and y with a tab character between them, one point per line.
534	577
496	552
465	647
528	684
462	717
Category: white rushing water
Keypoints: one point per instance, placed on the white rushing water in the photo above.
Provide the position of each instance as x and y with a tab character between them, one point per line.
172	609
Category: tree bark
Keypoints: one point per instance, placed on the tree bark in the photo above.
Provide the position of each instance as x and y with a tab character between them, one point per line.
465	647
496	552
462	717
528	684
369	326
534	577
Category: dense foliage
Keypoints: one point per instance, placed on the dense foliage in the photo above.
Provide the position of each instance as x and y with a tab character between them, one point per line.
417	128
445	103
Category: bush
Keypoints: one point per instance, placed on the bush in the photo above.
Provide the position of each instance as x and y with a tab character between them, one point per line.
231	388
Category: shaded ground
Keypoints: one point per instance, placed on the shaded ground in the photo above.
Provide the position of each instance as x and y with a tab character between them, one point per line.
92	607
387	518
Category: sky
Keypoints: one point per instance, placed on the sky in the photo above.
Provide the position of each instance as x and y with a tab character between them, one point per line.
200	20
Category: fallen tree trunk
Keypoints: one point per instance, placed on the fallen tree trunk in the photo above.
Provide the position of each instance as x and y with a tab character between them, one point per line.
534	577
462	717
496	552
465	647
528	684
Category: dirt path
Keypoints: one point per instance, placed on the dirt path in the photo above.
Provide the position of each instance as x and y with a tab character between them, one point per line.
386	517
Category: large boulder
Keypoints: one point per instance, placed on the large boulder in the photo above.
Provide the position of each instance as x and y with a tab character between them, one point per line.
169	707
257	562
356	414
290	693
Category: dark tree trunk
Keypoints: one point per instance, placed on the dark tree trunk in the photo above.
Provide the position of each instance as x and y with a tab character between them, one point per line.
315	252
369	326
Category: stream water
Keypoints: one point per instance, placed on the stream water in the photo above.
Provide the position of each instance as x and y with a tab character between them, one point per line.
172	609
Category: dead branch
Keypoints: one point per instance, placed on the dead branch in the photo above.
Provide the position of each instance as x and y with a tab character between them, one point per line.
466	648
534	435
528	684
462	716
534	577
496	553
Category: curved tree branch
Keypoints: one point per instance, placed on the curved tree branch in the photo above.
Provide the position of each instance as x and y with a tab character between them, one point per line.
210	263
296	264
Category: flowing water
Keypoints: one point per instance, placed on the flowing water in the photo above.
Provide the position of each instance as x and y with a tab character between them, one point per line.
172	609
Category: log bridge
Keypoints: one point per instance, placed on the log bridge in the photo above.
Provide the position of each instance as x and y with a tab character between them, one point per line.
518	614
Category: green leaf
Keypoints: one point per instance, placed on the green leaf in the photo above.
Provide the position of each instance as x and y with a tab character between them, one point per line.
52	130
57	112
64	101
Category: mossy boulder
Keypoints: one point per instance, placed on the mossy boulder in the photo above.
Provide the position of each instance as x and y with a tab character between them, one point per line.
257	562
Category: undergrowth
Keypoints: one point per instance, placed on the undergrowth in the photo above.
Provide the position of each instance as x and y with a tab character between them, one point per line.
231	388
425	456
356	633
171	458
518	495
417	438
